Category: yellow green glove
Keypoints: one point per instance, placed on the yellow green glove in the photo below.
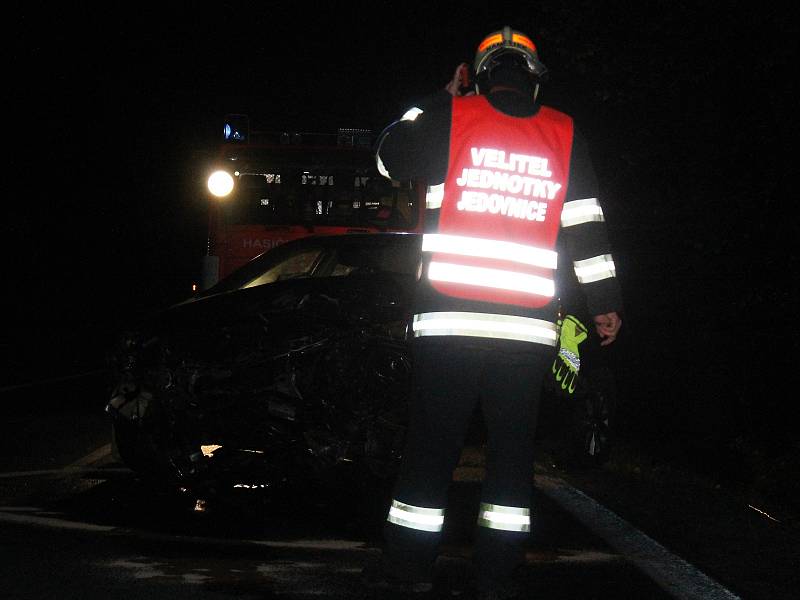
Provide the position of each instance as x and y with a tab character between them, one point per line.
571	332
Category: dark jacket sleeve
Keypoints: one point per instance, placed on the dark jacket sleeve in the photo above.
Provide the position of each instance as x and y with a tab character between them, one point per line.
584	241
417	144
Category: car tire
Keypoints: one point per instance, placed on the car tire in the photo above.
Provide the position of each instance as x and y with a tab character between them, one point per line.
127	445
594	437
139	451
578	430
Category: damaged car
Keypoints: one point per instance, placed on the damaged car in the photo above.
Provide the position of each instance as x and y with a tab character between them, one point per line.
293	366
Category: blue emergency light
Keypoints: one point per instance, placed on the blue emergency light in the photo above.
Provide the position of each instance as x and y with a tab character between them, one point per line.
236	128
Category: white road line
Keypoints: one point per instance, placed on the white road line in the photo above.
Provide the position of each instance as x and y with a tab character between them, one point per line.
62	472
53	523
9	514
313	544
82	464
673	574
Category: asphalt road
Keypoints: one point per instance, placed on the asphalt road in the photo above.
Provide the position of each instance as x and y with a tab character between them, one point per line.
74	523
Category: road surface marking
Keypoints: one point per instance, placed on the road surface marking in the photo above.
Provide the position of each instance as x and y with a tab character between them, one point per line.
82	464
53	523
9	514
62	472
313	544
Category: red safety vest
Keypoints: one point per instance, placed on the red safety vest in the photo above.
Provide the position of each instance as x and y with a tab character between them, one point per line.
500	214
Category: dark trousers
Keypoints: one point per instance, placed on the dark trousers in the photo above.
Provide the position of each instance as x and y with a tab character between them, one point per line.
450	377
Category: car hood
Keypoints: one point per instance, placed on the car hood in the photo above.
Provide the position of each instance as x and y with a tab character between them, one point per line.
279	313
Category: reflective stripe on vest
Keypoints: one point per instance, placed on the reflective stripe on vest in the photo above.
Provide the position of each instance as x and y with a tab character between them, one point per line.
581	211
484	325
472	246
595	268
416	517
491	278
434	196
507	518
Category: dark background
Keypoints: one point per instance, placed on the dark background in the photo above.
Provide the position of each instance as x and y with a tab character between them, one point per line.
688	108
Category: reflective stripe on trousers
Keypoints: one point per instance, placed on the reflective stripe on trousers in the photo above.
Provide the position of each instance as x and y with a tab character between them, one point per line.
507	518
416	517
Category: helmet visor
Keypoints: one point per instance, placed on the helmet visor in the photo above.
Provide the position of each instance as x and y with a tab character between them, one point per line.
502	43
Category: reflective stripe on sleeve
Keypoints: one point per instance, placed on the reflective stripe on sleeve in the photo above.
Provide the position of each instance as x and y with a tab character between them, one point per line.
381	168
492	278
484	325
507	518
472	246
434	196
581	211
416	517
595	268
411	114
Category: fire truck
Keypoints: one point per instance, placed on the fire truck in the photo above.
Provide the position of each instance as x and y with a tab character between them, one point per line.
268	187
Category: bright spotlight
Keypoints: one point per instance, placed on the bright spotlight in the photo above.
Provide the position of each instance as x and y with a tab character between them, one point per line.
220	183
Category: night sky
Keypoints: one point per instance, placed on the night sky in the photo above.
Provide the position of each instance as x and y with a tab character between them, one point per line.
687	108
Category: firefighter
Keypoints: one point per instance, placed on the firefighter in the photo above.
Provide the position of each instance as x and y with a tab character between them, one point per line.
507	175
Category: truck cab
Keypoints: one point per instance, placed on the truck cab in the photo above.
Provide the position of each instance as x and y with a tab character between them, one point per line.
266	187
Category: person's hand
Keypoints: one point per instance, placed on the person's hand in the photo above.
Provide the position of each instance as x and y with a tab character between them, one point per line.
607	327
460	80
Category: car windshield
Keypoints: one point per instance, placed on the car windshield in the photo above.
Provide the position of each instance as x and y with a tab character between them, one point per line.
295	265
328	256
